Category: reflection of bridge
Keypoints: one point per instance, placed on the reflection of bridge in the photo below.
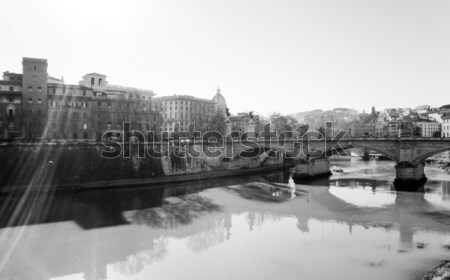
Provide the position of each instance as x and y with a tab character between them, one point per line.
409	153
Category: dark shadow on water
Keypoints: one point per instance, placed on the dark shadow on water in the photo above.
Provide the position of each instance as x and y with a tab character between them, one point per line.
175	212
264	192
105	208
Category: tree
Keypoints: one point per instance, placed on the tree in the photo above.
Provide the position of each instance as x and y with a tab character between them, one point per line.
283	123
208	120
302	129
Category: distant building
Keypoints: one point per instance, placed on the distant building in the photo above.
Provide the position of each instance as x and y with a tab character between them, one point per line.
381	129
422	107
364	130
428	129
182	110
445	132
393	128
241	121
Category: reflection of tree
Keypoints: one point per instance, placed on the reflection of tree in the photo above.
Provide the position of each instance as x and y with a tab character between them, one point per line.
204	240
302	224
257	219
175	212
136	263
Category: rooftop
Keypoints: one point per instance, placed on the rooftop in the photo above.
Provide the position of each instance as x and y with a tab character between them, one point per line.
184	97
94	74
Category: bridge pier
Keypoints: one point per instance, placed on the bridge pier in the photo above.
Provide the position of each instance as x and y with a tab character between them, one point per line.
307	169
409	176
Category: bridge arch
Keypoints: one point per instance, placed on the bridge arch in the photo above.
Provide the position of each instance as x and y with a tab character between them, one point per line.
428	154
390	154
263	154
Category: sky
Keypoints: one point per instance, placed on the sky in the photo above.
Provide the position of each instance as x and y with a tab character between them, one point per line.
267	56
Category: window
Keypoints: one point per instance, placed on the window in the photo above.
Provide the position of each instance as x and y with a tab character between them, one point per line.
39	101
34	68
30	100
54	90
85	135
84	93
39	89
109	104
39	112
11	99
10	113
75	136
30	89
11	88
100	81
99	104
85	126
92	81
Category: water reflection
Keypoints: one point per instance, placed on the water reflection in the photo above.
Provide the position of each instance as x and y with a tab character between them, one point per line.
244	228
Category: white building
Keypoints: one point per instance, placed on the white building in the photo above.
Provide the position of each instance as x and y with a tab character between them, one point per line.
429	128
445	131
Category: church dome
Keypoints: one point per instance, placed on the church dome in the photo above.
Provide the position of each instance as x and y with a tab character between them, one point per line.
220	103
219	99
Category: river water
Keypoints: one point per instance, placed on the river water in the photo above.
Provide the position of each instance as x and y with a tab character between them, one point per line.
349	226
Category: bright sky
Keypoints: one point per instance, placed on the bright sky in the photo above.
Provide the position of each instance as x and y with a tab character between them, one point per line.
267	56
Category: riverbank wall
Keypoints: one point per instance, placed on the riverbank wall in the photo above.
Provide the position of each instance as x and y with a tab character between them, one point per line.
77	167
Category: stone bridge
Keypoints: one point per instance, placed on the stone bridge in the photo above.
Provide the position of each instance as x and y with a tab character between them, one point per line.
409	153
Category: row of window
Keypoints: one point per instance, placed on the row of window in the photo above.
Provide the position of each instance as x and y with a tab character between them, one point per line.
38	112
176	115
11	88
10	99
74	104
184	102
30	101
94	93
30	89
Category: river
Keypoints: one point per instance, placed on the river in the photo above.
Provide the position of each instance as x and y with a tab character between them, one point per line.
352	225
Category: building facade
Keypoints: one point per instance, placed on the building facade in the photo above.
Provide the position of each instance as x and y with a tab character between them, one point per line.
364	130
429	129
182	112
10	105
35	106
445	132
